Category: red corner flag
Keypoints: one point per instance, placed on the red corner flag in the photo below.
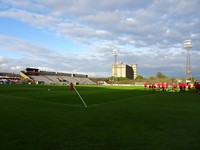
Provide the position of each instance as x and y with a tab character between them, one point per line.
71	87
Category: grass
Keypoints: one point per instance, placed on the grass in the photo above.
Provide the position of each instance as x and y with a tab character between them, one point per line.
117	118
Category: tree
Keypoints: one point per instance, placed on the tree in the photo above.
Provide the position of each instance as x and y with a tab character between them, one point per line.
123	79
139	77
160	75
151	78
193	79
111	78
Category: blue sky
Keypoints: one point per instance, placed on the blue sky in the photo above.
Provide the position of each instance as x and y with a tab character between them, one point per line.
78	36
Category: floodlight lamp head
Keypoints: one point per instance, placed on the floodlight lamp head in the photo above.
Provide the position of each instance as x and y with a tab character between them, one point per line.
187	44
114	52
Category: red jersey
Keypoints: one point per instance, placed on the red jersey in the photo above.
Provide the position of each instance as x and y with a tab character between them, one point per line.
198	85
158	84
189	85
167	85
195	85
71	86
145	84
184	85
163	85
153	85
174	85
181	85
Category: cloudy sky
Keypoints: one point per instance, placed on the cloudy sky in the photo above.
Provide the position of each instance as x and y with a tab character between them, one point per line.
78	36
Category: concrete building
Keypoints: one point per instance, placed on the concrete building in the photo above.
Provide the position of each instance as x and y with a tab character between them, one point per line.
135	70
124	70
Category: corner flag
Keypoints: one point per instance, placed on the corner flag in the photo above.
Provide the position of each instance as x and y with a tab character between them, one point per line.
71	87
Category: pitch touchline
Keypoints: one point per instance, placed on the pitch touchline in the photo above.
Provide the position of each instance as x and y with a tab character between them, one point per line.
121	100
42	101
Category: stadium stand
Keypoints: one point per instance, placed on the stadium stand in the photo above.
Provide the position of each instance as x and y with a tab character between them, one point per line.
41	79
9	78
47	77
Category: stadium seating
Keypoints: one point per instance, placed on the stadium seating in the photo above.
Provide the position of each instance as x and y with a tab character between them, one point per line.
47	77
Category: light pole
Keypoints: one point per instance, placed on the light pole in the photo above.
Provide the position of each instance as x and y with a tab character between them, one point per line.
188	45
114	52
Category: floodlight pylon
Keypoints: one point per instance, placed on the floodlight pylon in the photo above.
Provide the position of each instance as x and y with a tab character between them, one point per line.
114	52
188	45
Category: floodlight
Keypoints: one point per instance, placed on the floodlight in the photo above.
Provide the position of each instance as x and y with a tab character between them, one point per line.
187	44
114	52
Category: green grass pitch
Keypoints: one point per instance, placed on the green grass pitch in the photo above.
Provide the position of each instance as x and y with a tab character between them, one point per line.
117	118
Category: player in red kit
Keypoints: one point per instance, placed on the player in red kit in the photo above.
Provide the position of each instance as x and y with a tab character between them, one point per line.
153	86
145	85
71	87
163	86
174	86
158	86
166	85
181	86
197	86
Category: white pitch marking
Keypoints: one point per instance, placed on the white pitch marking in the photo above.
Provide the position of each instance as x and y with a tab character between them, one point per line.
36	100
121	100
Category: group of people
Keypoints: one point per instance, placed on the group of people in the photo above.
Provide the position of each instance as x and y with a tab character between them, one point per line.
153	86
164	86
197	86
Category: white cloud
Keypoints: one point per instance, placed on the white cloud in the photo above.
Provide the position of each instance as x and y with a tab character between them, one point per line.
2	59
17	45
139	24
45	59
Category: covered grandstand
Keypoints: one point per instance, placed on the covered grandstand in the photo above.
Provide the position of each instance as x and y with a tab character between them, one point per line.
47	77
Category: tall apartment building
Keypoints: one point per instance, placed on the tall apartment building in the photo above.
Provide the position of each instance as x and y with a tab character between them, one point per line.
135	70
124	70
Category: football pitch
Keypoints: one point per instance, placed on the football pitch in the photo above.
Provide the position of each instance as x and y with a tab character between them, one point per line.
44	117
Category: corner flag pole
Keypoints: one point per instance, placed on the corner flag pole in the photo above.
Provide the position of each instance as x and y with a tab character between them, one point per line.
80	97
